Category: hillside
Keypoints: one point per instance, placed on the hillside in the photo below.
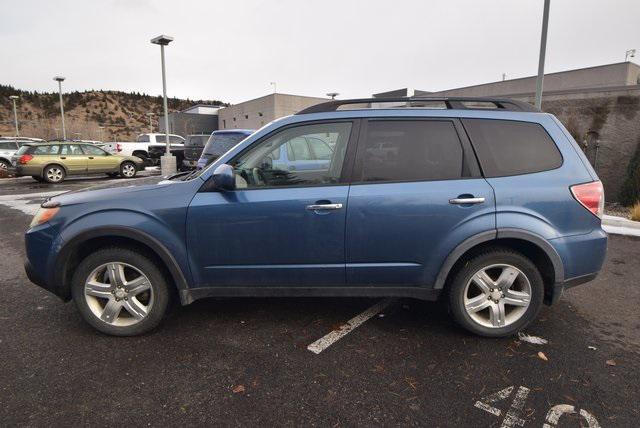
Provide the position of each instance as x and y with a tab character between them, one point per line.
123	115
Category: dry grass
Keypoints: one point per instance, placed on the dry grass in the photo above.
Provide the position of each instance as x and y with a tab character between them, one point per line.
635	212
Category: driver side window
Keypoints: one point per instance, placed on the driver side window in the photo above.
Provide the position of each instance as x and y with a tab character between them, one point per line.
285	159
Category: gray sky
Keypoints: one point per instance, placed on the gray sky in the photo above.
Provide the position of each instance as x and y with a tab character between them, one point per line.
231	50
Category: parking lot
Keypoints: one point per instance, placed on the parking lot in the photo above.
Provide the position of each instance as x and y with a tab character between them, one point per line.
239	361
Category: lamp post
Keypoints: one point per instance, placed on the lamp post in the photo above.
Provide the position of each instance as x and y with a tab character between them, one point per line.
60	79
168	161
150	114
543	51
14	98
629	54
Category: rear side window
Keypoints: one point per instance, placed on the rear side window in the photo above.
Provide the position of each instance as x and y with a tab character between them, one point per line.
7	145
408	150
46	150
507	147
143	139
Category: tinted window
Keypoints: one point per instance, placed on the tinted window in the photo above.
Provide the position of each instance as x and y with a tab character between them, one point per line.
219	144
197	140
511	148
260	166
93	150
174	139
407	150
46	150
143	139
7	145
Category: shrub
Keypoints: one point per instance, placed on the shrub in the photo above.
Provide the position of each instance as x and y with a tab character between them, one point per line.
635	212
630	192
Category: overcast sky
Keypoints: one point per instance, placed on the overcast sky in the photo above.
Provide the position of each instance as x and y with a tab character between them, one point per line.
232	50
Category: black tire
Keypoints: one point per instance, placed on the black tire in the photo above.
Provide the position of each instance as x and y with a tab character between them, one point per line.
4	164
496	256
128	169
54	174
159	288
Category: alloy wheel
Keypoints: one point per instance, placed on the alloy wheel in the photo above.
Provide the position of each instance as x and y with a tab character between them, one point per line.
54	174
497	295
118	294
128	170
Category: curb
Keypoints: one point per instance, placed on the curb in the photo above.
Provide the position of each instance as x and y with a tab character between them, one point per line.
620	225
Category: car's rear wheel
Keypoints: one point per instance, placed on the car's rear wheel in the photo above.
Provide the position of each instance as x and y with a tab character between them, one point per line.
54	174
4	164
496	293
128	169
120	292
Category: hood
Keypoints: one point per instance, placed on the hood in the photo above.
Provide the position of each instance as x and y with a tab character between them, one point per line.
106	191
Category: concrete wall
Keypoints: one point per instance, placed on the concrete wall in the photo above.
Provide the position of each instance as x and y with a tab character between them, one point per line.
611	75
258	112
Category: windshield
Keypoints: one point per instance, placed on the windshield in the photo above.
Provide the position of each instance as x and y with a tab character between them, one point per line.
219	144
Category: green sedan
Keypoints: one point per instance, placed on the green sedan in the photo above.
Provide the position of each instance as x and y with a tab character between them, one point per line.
53	161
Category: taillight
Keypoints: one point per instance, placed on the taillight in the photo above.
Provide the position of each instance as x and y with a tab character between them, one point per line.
590	196
118	147
24	159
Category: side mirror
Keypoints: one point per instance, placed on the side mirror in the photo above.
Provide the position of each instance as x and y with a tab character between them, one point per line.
224	178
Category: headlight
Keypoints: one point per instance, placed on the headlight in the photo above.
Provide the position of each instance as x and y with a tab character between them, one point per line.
43	215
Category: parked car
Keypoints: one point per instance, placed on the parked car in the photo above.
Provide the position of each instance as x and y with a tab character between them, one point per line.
54	161
219	143
144	144
487	204
9	146
193	147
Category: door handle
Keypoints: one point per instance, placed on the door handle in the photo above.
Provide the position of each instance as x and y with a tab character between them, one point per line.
324	207
466	201
90	157
63	157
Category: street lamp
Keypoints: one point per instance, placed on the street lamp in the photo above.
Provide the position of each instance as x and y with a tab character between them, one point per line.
629	54
168	161
543	51
333	95
60	79
150	114
14	98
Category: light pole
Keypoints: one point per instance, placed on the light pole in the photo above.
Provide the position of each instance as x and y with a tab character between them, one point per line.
14	98
543	51
333	95
168	161
60	79
629	54
150	114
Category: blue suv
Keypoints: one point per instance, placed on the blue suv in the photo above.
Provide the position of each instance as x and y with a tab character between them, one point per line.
489	205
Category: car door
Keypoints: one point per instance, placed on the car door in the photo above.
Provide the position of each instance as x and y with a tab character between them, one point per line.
279	227
416	194
73	159
100	161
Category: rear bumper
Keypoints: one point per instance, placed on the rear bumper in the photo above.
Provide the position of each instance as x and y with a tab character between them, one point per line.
559	288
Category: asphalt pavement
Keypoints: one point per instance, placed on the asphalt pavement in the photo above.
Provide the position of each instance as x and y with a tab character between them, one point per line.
247	362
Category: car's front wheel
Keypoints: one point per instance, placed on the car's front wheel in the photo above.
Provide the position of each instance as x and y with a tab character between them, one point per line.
120	292
128	169
496	293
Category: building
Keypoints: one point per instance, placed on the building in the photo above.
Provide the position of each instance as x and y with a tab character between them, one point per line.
197	119
600	106
254	114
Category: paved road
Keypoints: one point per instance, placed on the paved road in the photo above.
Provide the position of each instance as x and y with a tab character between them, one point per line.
234	361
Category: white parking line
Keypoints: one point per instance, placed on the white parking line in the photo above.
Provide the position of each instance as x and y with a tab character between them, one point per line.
331	338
